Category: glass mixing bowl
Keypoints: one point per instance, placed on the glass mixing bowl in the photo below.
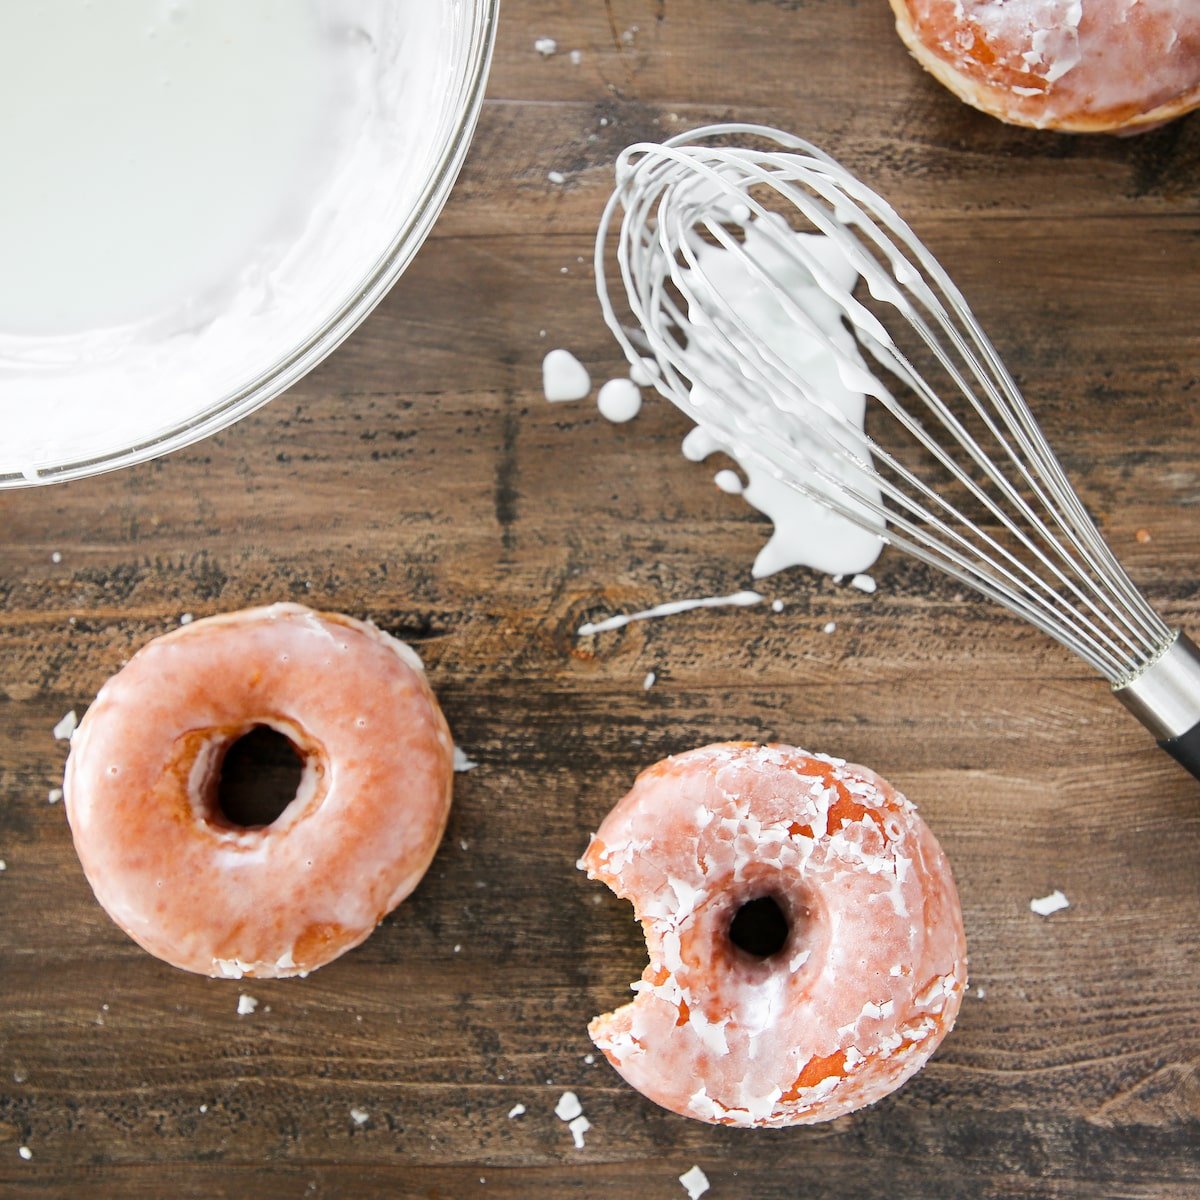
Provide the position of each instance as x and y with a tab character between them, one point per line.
216	369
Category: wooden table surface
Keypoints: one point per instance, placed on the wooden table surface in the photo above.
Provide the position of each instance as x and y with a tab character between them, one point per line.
418	478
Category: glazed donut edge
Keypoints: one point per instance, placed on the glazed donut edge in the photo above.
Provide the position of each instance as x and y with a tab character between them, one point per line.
998	92
865	983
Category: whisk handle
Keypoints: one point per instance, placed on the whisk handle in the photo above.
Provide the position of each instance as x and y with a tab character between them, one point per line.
1165	697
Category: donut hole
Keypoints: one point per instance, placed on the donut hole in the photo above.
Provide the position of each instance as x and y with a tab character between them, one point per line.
260	776
760	927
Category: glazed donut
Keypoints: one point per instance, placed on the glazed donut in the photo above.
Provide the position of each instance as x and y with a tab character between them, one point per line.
869	971
221	899
1084	66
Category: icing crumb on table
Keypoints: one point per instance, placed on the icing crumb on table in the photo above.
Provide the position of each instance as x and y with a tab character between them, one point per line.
1045	905
695	1182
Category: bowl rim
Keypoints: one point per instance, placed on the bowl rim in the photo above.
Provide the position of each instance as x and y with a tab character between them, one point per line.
334	330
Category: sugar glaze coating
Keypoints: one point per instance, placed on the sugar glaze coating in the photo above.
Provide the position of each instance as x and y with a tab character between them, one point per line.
865	987
220	899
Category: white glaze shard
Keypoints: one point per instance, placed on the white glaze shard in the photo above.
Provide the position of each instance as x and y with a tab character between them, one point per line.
462	762
545	46
648	682
695	1182
517	1110
66	727
246	1005
25	1152
359	1116
564	377
1045	905
671	608
54	795
568	1107
578	1128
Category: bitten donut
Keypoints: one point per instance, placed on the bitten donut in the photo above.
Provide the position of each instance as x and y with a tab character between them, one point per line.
868	966
1075	65
220	899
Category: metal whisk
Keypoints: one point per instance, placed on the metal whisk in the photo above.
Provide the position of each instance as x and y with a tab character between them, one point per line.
952	469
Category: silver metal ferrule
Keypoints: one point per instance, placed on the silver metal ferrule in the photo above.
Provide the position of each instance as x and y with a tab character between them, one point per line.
1165	694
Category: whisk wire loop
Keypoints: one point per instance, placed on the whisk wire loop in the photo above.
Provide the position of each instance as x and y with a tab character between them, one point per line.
693	198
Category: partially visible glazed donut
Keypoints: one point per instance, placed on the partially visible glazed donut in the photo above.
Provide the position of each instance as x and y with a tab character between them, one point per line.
871	972
220	899
1084	66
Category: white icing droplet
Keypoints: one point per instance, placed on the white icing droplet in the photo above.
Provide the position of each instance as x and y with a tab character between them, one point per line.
246	1005
66	727
556	177
545	46
564	377
54	795
568	1107
695	1182
729	482
517	1110
359	1116
619	401
864	583
648	682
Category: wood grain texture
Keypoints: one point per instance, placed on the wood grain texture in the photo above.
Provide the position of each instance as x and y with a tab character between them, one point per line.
418	478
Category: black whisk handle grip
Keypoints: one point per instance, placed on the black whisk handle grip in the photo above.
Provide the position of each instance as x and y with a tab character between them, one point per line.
1165	696
1185	749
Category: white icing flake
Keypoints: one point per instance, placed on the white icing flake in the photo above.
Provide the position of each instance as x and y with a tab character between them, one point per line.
578	1128
66	727
462	762
568	1107
564	377
25	1152
648	682
54	795
1045	905
545	46
556	177
359	1116
695	1182
517	1110
829	627
246	1005
864	583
